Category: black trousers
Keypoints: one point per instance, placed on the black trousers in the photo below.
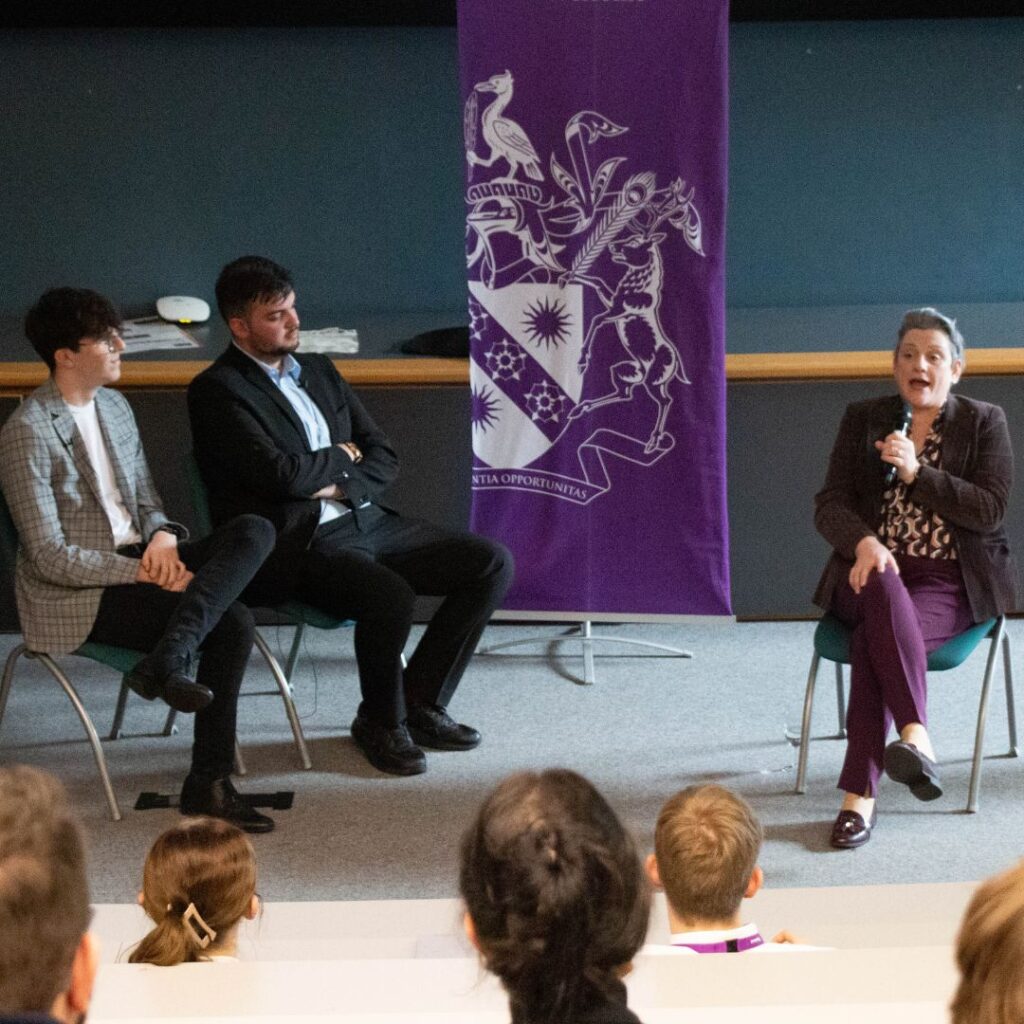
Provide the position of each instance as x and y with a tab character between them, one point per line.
206	617
371	569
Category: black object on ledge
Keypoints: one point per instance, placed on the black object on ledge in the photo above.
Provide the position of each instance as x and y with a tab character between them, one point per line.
446	342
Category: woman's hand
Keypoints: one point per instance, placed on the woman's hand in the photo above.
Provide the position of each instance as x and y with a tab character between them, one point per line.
898	450
872	556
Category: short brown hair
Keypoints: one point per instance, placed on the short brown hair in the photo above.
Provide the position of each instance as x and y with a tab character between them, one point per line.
706	843
44	895
206	863
990	952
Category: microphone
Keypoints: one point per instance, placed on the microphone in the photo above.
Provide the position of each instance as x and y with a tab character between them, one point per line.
902	426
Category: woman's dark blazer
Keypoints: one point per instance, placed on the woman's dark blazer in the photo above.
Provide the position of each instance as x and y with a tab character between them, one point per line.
969	492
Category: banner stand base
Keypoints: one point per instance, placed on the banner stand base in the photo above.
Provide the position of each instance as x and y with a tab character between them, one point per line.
584	634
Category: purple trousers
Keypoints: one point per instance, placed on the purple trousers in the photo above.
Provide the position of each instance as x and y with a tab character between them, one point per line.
897	621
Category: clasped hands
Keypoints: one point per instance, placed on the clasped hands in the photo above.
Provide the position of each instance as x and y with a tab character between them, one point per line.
161	565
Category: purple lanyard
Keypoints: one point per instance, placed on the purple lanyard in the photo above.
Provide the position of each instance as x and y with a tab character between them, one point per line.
729	946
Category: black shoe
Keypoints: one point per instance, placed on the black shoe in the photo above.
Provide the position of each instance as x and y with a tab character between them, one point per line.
218	798
850	830
905	763
430	725
171	680
389	750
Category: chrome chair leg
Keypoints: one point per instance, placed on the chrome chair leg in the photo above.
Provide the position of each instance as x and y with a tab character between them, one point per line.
1011	710
286	696
5	683
979	735
122	703
90	731
293	652
840	702
805	725
240	768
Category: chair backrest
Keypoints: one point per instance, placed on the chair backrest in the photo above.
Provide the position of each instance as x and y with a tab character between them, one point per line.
198	496
8	534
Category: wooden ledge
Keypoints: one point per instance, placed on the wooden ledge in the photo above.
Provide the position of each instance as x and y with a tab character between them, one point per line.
20	378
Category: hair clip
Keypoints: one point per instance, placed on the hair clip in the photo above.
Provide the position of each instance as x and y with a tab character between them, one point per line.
190	915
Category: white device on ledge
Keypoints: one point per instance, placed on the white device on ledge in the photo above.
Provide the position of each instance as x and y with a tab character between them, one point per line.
183	309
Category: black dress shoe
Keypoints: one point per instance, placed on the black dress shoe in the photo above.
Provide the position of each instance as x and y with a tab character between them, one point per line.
388	750
171	680
430	725
850	830
218	798
905	763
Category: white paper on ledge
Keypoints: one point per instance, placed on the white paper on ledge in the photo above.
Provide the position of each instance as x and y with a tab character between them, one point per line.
329	339
149	335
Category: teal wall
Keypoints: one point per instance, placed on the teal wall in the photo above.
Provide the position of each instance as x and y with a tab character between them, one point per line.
871	163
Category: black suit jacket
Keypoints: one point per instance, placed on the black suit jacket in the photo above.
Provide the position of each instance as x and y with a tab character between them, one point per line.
254	456
969	491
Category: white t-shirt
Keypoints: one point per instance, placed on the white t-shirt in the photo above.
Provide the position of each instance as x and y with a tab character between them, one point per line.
110	495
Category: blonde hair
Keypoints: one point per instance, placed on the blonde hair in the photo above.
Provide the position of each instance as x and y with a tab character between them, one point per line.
990	953
706	843
197	884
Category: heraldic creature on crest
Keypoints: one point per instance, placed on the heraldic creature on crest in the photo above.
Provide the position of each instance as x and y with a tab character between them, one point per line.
553	267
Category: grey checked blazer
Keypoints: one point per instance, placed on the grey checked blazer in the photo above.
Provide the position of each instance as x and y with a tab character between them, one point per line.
66	553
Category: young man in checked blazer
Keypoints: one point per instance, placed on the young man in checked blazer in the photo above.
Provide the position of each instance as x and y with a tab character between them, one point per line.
99	560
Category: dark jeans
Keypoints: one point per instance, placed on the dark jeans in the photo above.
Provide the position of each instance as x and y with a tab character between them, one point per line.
897	621
372	570
205	617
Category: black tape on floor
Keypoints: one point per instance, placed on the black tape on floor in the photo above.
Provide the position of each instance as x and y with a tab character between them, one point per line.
280	801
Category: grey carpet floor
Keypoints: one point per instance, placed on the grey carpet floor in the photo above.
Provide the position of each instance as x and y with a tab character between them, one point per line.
649	726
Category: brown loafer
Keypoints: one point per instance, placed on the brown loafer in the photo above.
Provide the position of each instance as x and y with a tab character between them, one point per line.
850	830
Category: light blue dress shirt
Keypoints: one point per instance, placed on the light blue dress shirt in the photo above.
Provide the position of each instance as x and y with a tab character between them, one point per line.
287	382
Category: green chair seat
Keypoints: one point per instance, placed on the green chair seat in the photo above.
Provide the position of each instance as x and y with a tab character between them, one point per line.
121	659
832	642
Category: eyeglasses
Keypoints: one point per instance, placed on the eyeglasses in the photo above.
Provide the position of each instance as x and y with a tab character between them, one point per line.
111	339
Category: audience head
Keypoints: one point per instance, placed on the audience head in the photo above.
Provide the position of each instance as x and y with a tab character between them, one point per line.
64	316
555	895
706	845
47	958
990	953
198	883
247	280
929	319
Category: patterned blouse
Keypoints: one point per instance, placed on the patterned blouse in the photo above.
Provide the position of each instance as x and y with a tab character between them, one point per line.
908	529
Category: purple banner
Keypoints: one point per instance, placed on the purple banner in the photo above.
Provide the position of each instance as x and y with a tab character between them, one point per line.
595	143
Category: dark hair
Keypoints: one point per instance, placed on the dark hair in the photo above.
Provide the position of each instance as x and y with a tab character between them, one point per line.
556	892
63	316
250	279
44	895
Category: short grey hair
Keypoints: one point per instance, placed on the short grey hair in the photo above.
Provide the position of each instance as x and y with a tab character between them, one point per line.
929	319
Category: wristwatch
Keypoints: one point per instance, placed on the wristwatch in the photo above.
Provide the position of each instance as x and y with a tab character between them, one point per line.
174	529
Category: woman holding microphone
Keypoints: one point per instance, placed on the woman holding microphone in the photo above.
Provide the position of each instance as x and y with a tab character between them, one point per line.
912	505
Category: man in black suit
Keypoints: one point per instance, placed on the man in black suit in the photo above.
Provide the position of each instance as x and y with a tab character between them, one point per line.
284	436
